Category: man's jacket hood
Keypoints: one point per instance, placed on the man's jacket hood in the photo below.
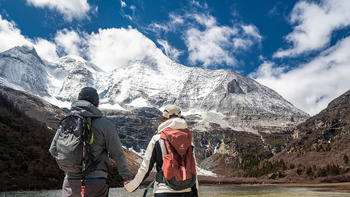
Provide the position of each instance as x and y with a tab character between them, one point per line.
86	109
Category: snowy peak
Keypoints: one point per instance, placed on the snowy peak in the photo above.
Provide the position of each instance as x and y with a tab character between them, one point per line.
70	74
22	67
154	81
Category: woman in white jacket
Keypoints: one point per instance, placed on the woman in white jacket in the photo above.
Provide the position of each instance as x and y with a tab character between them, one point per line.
171	118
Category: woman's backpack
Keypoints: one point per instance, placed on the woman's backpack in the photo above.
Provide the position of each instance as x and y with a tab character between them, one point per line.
179	166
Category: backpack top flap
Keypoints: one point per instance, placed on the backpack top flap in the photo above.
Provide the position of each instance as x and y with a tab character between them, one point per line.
180	140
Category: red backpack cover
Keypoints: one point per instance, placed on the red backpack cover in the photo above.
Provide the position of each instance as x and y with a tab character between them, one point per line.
179	167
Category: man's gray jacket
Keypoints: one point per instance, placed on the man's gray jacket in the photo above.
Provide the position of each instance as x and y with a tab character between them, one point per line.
106	143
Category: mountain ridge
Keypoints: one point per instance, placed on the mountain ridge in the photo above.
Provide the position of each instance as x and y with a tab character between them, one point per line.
156	81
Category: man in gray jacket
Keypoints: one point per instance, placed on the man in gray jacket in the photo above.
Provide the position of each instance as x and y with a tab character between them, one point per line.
106	144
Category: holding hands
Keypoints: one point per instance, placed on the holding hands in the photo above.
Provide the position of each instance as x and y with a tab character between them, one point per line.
127	186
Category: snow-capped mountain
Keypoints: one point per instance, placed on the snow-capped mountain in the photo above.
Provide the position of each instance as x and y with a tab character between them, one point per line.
22	68
217	96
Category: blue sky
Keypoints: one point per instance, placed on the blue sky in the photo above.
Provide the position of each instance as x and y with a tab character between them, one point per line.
300	48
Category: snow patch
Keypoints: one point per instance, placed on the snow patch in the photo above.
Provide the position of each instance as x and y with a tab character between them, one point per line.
139	102
202	172
141	153
217	118
58	103
112	107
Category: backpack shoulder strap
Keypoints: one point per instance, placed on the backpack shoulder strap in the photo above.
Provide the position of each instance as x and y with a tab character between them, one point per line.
162	147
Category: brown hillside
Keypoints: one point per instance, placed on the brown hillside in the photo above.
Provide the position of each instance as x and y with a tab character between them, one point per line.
25	162
321	147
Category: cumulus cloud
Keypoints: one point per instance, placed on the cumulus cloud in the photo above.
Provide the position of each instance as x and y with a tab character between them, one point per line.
314	23
46	50
313	85
170	51
215	44
116	47
11	36
69	41
69	8
107	48
211	46
208	43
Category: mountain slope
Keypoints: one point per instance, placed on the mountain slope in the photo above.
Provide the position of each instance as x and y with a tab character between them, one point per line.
321	146
25	162
34	107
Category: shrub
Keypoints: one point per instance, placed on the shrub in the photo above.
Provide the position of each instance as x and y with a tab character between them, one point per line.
291	166
332	170
346	159
266	168
309	171
299	171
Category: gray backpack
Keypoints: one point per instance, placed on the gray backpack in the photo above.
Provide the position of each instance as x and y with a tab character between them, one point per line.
74	144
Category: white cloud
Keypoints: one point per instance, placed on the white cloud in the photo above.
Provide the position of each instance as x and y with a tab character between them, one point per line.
46	50
171	25
108	48
242	43
69	8
122	3
69	41
217	44
313	85
208	43
198	4
170	51
116	47
11	36
209	47
252	31
315	23
126	12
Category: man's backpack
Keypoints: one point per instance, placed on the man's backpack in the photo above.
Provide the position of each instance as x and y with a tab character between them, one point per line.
179	167
73	144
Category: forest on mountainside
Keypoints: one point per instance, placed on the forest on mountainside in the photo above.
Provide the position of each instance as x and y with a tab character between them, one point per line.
25	160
